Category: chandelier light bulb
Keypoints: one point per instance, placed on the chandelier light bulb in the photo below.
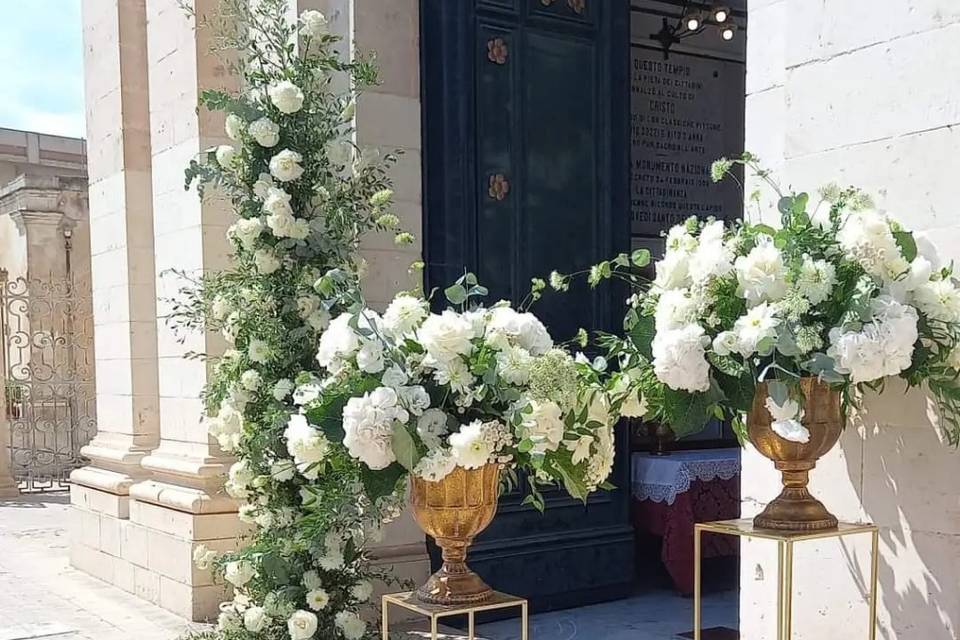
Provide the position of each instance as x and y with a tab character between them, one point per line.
727	34
721	15
693	23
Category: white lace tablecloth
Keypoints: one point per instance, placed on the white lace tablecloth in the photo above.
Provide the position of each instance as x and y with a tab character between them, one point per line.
663	478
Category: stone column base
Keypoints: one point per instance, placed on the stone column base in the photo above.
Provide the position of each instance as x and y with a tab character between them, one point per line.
147	549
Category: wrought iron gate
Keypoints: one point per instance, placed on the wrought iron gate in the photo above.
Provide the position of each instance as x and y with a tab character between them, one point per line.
46	367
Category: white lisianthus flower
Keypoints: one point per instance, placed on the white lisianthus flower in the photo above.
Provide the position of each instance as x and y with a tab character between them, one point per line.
916	276
882	347
255	619
225	155
513	365
308	446
266	262
286	96
679	359
431	427
233	126
786	420
261	188
726	343
238	572
755	327
675	309
470	446
866	237
302	625
673	271
394	376
446	336
370	356
368	426
939	300
337	344
265	131
362	591
712	258
315	24
403	315
761	275
246	231
680	239
350	625
250	379
281	389
415	398
318	599
436	465
544	425
816	279
285	166
505	325
258	351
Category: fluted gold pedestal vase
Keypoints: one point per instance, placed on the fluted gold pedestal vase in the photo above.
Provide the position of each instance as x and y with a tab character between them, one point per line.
454	511
795	509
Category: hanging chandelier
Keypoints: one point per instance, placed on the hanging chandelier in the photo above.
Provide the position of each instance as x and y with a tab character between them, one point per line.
696	18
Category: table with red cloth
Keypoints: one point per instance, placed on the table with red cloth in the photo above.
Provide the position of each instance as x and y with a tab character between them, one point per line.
673	492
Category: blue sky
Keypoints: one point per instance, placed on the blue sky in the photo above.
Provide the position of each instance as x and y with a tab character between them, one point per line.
41	66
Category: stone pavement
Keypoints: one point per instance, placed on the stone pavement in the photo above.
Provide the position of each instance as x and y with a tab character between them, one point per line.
42	596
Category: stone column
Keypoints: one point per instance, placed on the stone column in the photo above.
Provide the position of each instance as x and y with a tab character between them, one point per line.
181	504
122	272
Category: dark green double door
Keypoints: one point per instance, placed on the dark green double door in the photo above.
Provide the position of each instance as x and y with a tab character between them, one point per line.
526	169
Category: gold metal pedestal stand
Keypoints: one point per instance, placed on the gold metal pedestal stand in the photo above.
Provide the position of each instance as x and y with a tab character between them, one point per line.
408	600
785	541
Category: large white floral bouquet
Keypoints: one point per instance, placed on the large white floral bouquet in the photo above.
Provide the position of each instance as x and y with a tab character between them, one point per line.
838	291
418	392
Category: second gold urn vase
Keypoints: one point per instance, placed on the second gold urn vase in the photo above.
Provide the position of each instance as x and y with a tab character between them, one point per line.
454	511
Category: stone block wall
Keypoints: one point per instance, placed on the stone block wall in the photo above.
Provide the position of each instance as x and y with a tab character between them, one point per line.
839	91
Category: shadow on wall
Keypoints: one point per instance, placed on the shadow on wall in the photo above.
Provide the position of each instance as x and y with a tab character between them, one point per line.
908	481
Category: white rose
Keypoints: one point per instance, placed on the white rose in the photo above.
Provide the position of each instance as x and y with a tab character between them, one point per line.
308	446
315	24
679	360
277	203
415	398
394	376
246	231
255	619
285	166
470	446
761	275
261	188
225	155
726	343
265	131
350	625
301	625
233	126
238	572
286	96
673	271
370	356
446	336
337	344
265	261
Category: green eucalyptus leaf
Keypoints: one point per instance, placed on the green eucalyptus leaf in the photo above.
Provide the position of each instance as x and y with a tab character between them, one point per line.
640	257
404	448
778	391
907	244
642	335
455	294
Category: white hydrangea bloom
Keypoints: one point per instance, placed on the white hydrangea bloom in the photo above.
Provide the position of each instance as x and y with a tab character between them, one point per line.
522	329
675	309
337	344
286	96
431	427
882	347
368	424
255	619
679	359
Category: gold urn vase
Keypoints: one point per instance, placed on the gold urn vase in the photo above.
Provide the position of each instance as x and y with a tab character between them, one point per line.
795	509
454	511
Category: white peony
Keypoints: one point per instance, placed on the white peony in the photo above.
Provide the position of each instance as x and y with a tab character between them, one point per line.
446	336
286	96
816	279
761	275
471	448
285	166
233	126
939	300
301	625
544	425
711	258
675	309
246	231
350	625
431	427
679	360
265	131
368	426
756	330
225	155
673	271
308	446
317	599
786	420
315	24
522	329
266	262
238	572
258	351
436	465
403	315
255	619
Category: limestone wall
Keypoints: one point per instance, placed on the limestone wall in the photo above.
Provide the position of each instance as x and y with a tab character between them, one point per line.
838	91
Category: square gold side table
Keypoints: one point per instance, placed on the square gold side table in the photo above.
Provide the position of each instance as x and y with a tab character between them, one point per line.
785	540
408	600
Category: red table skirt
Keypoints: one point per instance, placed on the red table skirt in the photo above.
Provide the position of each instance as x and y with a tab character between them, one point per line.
705	502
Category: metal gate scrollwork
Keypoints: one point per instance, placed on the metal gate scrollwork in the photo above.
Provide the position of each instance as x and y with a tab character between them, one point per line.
47	371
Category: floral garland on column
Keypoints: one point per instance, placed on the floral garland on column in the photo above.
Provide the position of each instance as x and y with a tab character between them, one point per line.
304	194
